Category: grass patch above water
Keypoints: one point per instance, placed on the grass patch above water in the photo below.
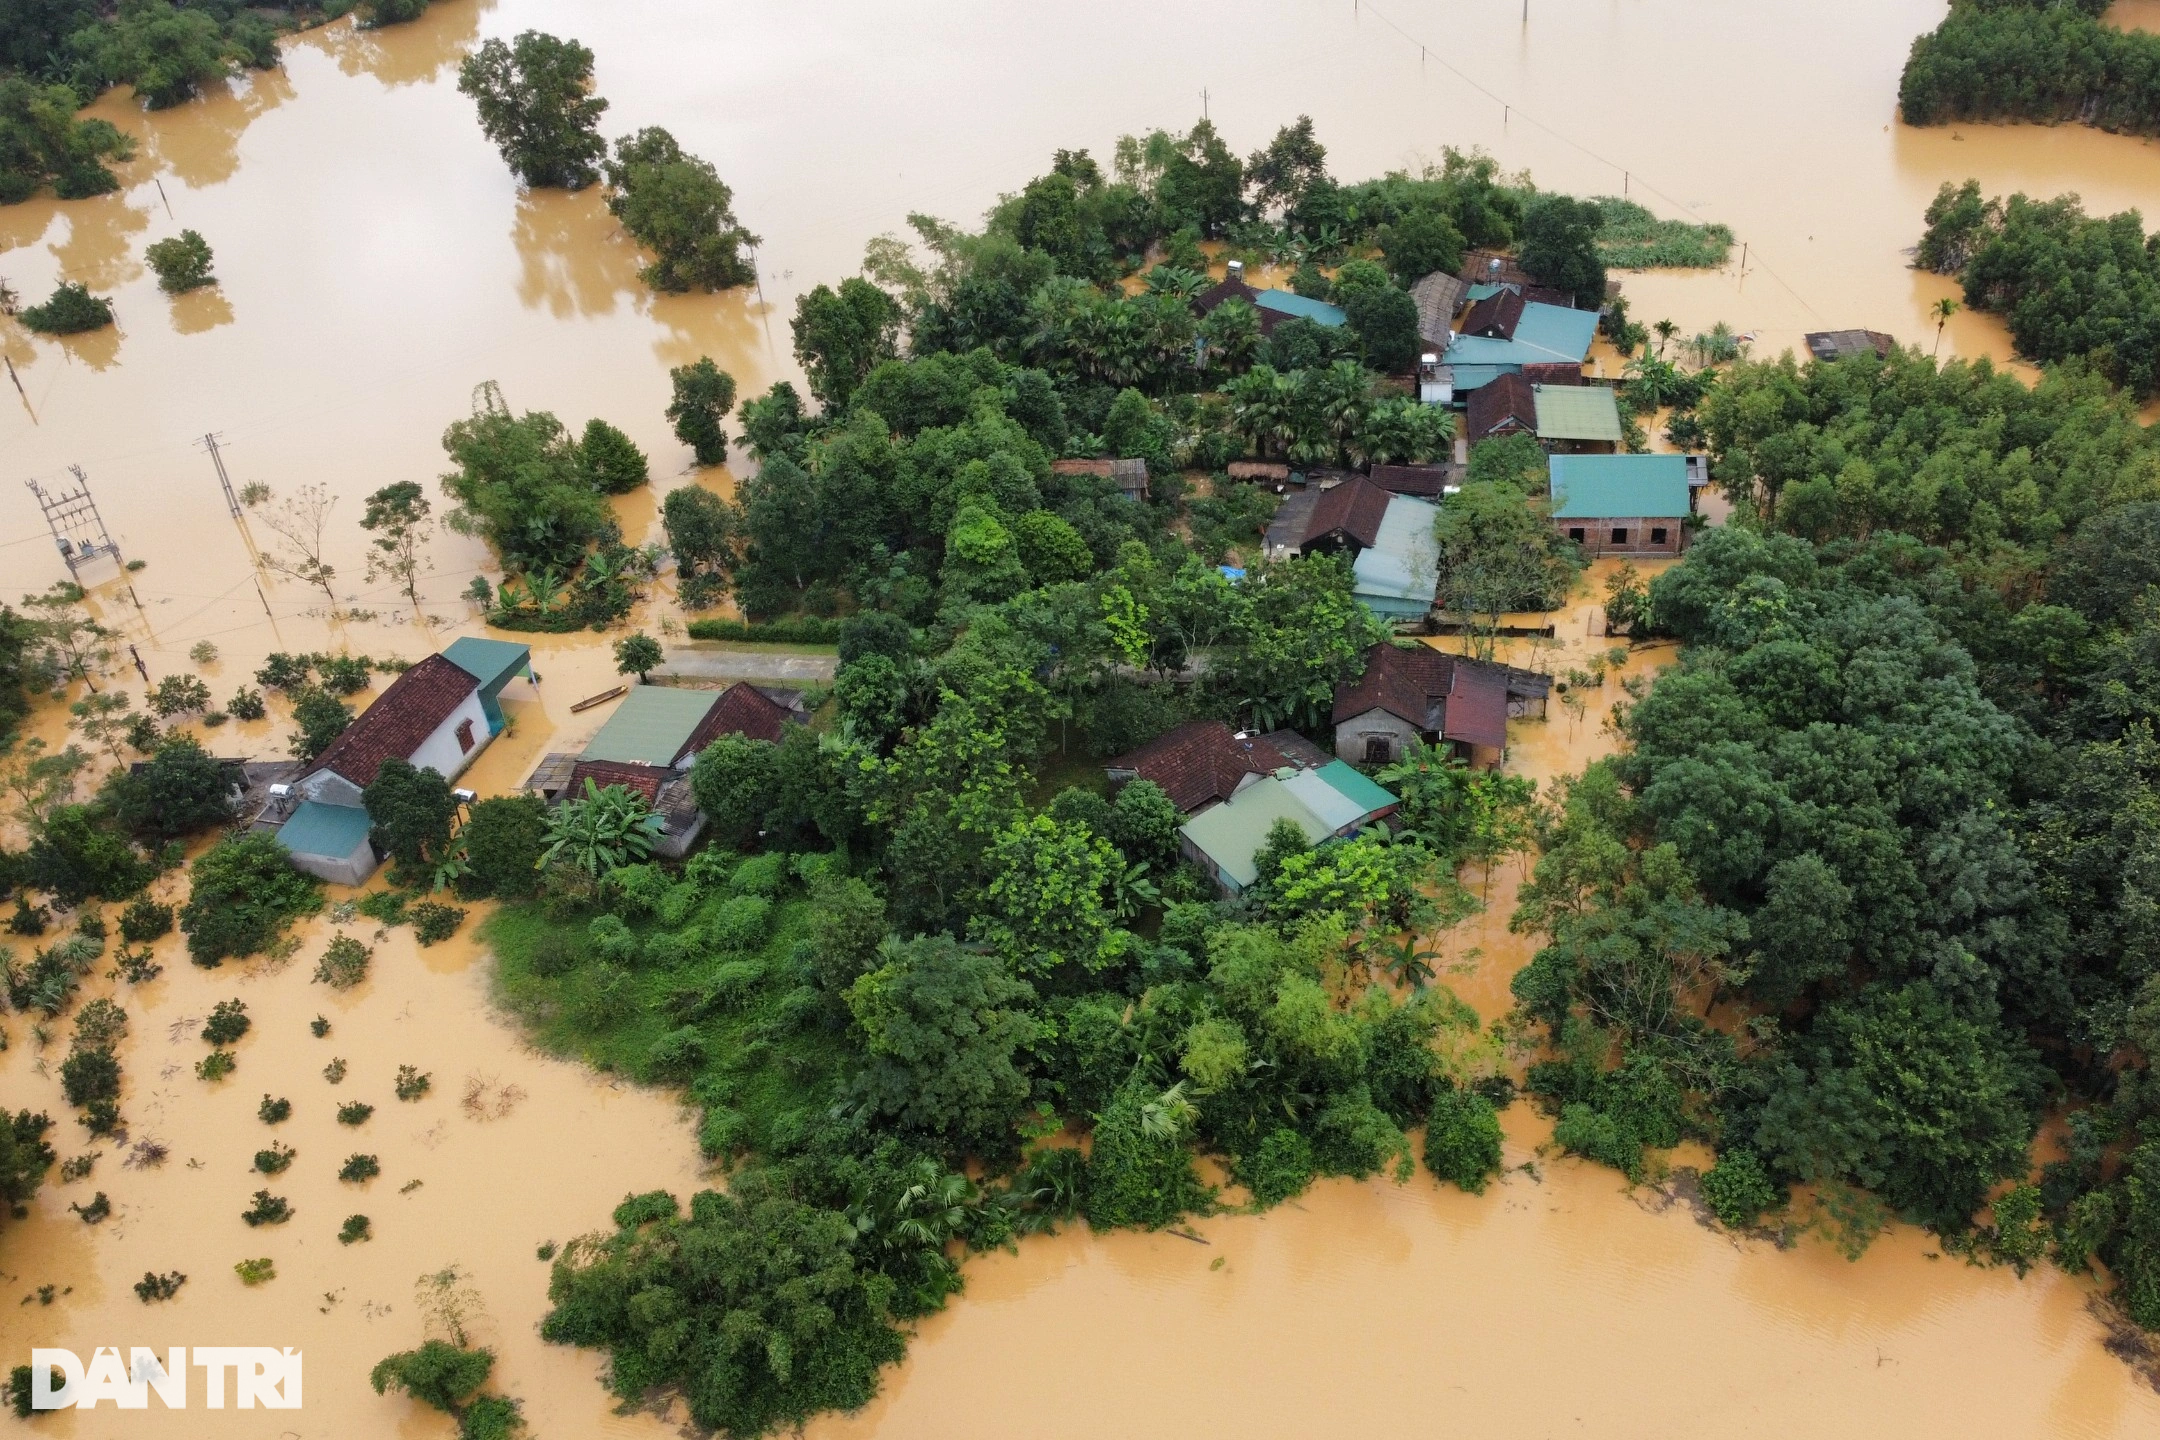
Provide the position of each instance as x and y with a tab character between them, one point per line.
1633	238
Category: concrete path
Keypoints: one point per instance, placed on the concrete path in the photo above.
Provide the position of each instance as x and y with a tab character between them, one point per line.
718	662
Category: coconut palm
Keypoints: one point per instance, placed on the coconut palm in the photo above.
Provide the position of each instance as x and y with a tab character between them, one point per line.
1943	309
1665	330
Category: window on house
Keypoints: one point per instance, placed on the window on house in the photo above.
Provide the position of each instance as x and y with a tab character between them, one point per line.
464	737
1575	533
1657	535
1619	535
1379	750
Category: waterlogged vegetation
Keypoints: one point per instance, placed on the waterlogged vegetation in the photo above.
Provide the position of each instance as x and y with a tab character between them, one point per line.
2044	60
1857	904
2070	285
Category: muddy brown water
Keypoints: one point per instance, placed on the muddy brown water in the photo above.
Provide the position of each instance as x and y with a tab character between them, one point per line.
376	262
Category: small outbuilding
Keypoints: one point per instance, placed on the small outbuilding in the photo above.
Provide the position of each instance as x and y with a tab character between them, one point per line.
1829	345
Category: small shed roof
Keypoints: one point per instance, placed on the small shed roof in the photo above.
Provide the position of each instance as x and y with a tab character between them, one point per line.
1576	412
652	726
1837	344
494	663
335	831
1426	481
1595	487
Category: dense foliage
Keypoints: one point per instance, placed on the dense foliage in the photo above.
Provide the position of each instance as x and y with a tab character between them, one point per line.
1887	805
41	143
535	99
243	893
676	206
2043	60
2069	285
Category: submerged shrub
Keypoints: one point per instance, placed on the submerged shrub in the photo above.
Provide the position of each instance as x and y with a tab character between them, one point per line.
228	1022
358	1168
1279	1169
154	1286
274	1159
411	1083
255	1272
354	1114
1739	1189
268	1209
433	923
216	1065
355	1229
344	963
145	920
1462	1138
273	1112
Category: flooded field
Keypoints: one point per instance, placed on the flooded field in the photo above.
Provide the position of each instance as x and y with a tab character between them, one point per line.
377	262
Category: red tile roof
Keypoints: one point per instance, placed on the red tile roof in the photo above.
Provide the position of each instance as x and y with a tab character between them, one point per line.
411	708
646	780
1555	372
1352	511
742	709
1201	761
1499	401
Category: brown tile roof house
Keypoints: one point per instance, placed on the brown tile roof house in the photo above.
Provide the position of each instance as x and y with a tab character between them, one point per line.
1446	696
644	779
1426	482
742	709
1496	316
1202	762
1504	405
407	712
1234	288
1346	517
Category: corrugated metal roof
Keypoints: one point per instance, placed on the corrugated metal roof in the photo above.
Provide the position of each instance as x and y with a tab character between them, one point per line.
1401	568
1230	834
1594	487
651	726
1546	334
1289	302
1368	795
1577	412
330	830
494	663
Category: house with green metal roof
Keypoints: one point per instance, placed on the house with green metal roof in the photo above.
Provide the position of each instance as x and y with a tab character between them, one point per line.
1577	418
494	663
1330	803
654	725
330	842
1622	504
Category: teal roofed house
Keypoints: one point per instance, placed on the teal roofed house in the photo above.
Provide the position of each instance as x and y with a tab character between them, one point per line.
1330	803
1537	334
1299	307
494	663
1623	504
655	725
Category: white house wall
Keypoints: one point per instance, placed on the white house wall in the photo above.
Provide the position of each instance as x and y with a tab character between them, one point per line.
440	752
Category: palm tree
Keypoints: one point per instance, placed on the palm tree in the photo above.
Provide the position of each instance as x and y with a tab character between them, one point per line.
1665	330
1169	1114
1943	309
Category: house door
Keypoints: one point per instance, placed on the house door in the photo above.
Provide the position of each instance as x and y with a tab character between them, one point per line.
1379	750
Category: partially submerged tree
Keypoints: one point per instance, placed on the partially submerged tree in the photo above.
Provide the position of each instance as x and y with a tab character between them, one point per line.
704	393
536	103
676	206
182	262
301	522
399	516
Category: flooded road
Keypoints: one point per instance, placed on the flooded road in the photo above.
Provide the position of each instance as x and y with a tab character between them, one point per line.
377	262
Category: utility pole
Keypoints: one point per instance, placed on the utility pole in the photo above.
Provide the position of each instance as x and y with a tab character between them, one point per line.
232	501
1203	104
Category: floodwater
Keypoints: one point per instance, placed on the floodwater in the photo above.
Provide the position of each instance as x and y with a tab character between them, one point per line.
377	262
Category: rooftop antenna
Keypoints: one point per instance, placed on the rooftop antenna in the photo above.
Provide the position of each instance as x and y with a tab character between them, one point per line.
78	530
